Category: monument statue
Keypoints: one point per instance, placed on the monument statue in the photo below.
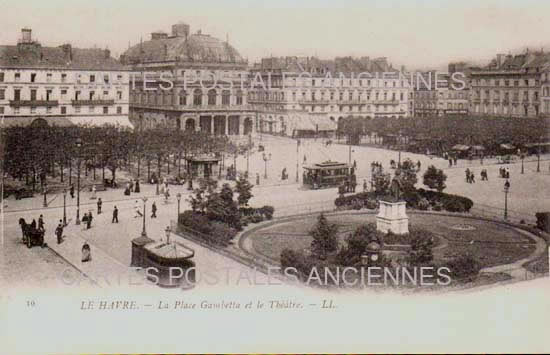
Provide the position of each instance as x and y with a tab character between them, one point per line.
392	215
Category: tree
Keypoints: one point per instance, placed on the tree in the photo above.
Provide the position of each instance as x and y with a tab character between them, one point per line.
381	183
435	178
421	250
324	237
408	175
244	189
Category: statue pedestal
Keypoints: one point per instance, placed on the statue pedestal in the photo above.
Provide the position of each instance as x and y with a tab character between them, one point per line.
392	217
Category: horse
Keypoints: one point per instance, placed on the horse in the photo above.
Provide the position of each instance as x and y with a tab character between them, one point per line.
24	227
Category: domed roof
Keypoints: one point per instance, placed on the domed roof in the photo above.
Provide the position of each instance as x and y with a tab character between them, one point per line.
192	48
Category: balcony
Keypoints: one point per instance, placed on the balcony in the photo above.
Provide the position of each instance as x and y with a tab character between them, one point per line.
314	102
386	102
34	103
92	102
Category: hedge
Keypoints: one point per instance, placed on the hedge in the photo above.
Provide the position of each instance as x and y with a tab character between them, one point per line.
211	231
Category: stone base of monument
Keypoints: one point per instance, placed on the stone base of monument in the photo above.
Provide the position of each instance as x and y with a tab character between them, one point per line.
392	217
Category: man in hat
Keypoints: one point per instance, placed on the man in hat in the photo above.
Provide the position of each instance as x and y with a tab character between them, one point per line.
99	203
115	215
41	223
154	210
59	232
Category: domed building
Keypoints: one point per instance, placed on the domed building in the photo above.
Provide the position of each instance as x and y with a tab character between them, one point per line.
193	82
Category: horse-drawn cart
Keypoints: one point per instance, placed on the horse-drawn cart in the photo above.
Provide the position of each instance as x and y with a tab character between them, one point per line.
31	235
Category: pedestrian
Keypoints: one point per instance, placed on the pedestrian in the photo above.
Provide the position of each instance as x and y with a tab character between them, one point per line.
257	179
72	191
41	223
354	164
154	210
472	178
115	215
450	162
127	191
456	160
86	252
467	175
137	189
89	220
59	232
99	203
93	197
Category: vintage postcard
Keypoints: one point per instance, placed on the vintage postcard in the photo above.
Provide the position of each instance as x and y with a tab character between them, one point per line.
274	176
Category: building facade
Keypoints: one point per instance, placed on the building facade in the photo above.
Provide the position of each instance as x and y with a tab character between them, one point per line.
304	91
511	86
61	85
189	82
444	98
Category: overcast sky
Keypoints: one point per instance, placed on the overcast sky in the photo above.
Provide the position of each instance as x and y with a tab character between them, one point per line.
415	33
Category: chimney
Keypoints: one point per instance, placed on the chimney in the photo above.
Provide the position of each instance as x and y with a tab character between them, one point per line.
158	35
180	30
67	51
26	35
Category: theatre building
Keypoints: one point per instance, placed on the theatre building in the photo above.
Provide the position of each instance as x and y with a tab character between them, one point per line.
189	82
61	85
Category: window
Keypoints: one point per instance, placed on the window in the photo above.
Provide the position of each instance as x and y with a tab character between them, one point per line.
119	95
92	78
105	110
49	77
197	97
77	109
17	76
183	98
91	96
63	110
119	110
239	97
33	77
1	77
76	95
48	109
1	110
119	77
225	97
63	93
91	109
48	95
2	94
33	95
106	78
105	93
17	95
33	109
63	77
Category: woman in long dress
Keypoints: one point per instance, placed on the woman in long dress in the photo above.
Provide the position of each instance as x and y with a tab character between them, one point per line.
93	193
86	253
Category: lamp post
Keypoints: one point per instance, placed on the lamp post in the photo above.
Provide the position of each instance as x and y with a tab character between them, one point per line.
297	158
78	146
144	233
45	195
178	196
538	160
168	230
64	207
522	157
266	158
506	189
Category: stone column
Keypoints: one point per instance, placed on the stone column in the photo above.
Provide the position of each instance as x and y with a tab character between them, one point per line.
226	125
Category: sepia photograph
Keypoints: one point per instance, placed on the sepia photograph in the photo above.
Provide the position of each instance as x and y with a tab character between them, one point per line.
274	176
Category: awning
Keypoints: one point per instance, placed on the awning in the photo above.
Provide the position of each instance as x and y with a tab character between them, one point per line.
460	147
120	121
507	146
35	120
311	122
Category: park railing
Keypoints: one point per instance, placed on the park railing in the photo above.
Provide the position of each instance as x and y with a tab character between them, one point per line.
305	208
486	211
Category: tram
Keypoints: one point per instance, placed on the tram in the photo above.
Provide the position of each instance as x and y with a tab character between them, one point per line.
327	174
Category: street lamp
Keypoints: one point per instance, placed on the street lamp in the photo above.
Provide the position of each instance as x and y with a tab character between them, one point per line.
266	158
64	207
538	160
45	195
506	189
178	196
168	230
144	233
297	159
522	157
78	146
